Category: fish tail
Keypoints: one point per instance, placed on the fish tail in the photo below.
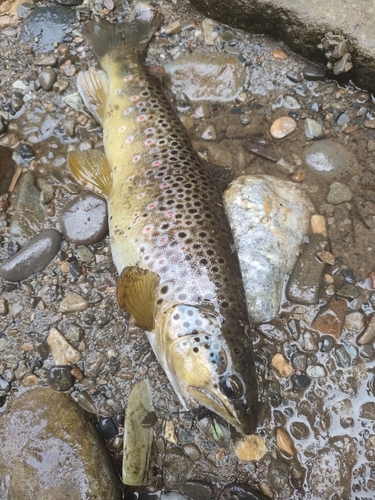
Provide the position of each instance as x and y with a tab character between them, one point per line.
104	37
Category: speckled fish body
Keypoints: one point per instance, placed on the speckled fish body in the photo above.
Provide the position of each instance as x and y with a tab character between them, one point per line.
167	221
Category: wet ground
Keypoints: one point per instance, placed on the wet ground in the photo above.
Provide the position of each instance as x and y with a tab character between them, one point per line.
321	402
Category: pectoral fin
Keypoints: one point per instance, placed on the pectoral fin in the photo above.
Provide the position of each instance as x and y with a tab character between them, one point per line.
93	87
91	170
137	292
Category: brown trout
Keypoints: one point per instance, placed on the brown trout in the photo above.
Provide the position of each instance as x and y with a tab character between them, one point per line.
169	235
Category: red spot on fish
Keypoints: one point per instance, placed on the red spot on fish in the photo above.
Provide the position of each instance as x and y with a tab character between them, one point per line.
149	130
149	142
151	206
141	118
136	158
142	83
164	185
128	78
182	248
128	111
130	139
133	65
156	163
169	214
134	98
140	196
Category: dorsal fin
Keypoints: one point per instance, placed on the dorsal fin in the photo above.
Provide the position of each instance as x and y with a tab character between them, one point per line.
137	291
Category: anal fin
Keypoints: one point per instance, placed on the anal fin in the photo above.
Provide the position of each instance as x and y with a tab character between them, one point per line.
91	170
136	293
93	87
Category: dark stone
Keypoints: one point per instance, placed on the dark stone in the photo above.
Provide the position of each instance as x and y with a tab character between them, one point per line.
70	3
197	490
107	428
47	77
84	220
342	356
33	257
16	101
300	381
314	72
75	269
6	168
59	378
48	25
236	491
26	152
299	430
326	343
4	386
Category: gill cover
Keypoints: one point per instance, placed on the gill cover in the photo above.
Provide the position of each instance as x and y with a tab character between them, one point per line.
202	367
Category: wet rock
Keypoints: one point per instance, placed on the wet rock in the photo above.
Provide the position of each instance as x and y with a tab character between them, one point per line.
305	282
248	448
282	365
47	193
367	411
331	320
62	352
26	152
59	378
197	490
369	334
343	358
107	428
313	128
16	101
4	385
236	491
299	430
6	168
69	2
348	291
278	475
46	26
37	449
84	221
33	257
47	77
283	442
339	193
268	218
330	159
176	468
172	28
45	60
299	361
73	302
191	451
218	77
313	72
136	466
316	371
28	218
282	127
173	495
331	473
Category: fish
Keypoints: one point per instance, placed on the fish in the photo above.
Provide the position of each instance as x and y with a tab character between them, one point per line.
171	243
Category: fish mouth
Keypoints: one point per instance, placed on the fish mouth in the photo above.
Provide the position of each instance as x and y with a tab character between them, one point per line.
216	404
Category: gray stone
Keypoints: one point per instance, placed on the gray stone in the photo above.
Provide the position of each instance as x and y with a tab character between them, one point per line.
339	193
302	25
33	257
84	220
59	378
28	216
176	468
314	72
330	159
312	128
269	218
36	450
47	77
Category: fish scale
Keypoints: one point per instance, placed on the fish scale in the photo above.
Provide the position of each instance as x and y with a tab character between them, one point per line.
169	235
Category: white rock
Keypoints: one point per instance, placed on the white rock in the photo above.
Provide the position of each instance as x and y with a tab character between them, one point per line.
269	218
62	352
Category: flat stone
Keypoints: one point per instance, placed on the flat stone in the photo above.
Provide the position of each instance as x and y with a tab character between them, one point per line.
318	224
314	72
197	490
47	77
73	302
250	448
84	220
330	159
339	193
331	320
62	352
313	128
33	257
282	365
304	27
41	432
59	378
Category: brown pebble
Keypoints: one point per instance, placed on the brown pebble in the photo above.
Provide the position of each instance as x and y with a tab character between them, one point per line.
250	448
82	120
282	127
283	441
369	124
43	60
351	129
318	224
279	55
299	175
27	347
77	373
63	49
30	380
371	278
10	140
326	257
282	365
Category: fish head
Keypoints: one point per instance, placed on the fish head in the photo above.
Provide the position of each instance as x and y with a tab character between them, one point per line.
208	368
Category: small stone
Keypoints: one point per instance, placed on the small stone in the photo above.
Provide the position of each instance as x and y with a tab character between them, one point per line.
109	4
60	86
282	365
77	373
169	432
331	321
68	69
209	134
3	343
339	193
318	224
369	124
59	378
4	385
191	451
47	194
299	430
107	428
172	28
371	145
30	380
250	448
62	352
299	361
367	411
47	77
74	333
84	255
343	358
283	442
313	128
197	490
299	175
354	322
343	119
314	72
73	302
17	101
26	152
45	60
316	371
343	65
300	382
33	257
282	127
369	334
326	257
348	291
279	55
3	307
285	166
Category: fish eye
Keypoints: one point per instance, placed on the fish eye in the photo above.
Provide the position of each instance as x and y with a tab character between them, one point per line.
232	387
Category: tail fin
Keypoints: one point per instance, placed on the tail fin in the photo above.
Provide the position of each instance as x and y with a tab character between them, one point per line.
102	36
